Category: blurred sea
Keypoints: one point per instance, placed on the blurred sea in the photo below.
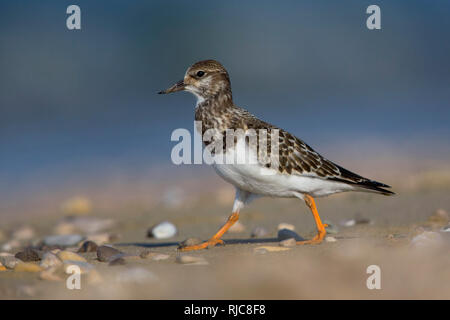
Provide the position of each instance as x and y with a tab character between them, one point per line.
82	105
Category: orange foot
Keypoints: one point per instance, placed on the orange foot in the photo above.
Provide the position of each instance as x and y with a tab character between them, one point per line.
205	245
317	239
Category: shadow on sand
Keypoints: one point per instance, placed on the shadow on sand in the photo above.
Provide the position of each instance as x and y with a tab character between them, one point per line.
227	242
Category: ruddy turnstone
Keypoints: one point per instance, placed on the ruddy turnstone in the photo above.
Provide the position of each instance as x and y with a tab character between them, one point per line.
300	172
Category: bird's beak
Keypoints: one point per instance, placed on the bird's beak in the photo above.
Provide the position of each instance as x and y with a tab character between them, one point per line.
179	86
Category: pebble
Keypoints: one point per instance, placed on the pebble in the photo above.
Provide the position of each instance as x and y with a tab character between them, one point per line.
185	259
163	230
135	276
330	239
8	260
446	229
101	238
68	240
271	249
288	243
23	233
85	225
190	242
427	239
27	267
286	226
2	267
88	246
146	254
50	260
68	255
348	223
284	234
237	227
28	255
259	232
85	267
77	206
160	257
331	229
104	253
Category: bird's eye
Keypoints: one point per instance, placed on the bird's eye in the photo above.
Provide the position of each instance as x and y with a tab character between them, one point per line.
200	74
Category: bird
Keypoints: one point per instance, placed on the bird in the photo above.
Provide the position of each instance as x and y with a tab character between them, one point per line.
298	171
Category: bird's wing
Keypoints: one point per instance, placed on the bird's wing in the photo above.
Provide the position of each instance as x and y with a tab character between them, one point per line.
296	157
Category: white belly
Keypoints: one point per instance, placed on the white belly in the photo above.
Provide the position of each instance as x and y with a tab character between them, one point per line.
268	182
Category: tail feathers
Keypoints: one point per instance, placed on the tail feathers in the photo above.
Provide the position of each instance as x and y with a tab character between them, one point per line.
374	186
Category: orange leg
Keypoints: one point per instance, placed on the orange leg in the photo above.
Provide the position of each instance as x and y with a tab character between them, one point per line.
321	232
216	238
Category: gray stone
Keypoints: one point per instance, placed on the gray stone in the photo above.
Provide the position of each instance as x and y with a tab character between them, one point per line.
50	260
69	240
185	259
8	260
105	253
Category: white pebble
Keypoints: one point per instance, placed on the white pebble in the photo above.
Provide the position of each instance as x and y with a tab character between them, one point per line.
163	230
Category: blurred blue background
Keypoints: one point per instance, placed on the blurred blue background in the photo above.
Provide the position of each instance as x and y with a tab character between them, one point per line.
79	104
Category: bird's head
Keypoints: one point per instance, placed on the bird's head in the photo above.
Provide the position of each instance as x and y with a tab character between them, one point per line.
205	79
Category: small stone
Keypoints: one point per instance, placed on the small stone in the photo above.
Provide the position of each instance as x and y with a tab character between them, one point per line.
23	234
104	253
50	260
146	254
185	259
160	257
446	229
272	248
190	242
331	228
237	227
2	267
8	260
28	255
348	223
69	240
284	234
68	255
286	226
64	228
88	246
27	267
85	267
427	239
330	239
288	243
163	230
117	262
259	232
101	238
260	251
76	206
